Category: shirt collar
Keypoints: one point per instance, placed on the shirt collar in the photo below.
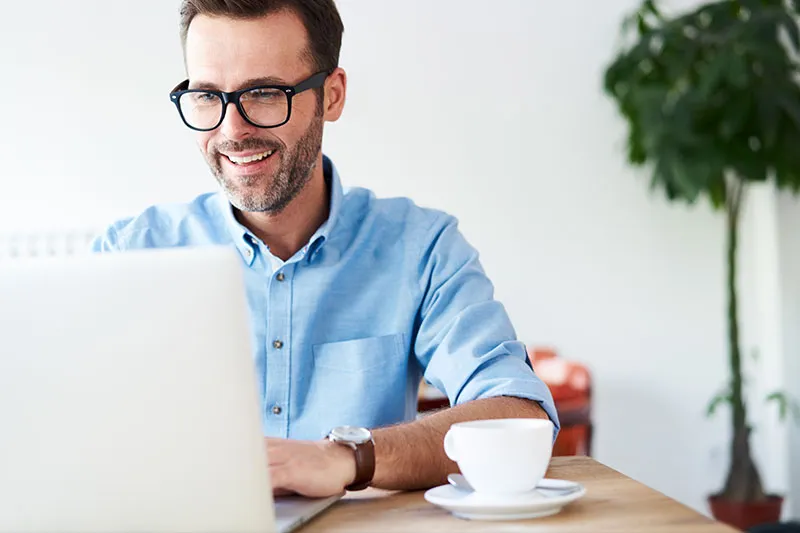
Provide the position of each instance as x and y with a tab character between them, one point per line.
244	240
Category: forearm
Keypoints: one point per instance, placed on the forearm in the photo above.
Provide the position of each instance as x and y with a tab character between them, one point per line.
411	456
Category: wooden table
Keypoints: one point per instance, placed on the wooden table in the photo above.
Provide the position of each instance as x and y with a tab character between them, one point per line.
613	502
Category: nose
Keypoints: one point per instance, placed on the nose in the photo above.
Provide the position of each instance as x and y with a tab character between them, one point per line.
234	126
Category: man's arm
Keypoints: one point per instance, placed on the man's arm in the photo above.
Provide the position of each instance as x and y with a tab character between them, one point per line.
467	348
407	456
411	456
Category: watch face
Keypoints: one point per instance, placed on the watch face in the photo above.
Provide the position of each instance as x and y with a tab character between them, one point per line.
351	434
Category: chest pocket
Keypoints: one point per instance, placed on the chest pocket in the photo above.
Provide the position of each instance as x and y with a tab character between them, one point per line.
371	354
360	382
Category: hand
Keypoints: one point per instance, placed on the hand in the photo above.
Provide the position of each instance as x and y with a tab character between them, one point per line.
310	468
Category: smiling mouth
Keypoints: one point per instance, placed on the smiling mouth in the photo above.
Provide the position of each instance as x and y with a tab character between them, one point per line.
255	158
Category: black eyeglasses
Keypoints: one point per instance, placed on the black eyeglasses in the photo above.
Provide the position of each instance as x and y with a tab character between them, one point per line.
265	106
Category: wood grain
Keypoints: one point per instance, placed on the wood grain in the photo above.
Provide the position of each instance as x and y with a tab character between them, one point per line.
613	502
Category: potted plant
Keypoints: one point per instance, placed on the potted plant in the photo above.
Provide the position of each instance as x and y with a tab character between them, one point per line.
711	102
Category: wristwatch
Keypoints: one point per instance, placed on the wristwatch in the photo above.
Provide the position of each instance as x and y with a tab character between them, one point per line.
360	440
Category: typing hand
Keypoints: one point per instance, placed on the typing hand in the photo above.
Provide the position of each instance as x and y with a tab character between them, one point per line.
310	468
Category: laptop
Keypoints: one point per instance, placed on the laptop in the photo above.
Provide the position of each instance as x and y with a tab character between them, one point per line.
128	399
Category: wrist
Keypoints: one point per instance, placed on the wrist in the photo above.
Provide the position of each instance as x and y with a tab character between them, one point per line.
359	444
345	459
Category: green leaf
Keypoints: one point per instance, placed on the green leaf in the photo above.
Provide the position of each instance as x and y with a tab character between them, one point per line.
791	106
712	75
650	7
734	118
637	155
718	192
628	23
641	24
684	179
752	168
769	118
718	400
738	70
783	403
786	406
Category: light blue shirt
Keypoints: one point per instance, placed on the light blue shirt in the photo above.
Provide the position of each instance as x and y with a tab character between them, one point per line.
384	293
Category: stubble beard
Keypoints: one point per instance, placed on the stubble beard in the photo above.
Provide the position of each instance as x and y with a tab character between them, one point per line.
294	171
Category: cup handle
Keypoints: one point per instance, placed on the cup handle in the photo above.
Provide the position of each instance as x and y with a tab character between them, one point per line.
450	445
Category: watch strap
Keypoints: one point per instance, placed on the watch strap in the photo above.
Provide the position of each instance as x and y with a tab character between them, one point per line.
365	465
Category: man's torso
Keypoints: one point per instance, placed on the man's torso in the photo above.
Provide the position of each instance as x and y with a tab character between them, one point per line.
332	327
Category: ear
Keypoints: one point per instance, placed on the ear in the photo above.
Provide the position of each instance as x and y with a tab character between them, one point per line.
335	95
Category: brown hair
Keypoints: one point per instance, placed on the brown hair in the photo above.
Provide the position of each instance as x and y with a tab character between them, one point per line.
320	17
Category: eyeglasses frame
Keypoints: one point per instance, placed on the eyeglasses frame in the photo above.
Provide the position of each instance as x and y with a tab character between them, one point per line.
314	81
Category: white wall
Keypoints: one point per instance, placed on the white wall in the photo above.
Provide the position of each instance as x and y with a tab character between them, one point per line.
490	111
789	217
90	132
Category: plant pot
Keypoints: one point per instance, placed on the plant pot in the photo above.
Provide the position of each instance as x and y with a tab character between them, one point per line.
744	515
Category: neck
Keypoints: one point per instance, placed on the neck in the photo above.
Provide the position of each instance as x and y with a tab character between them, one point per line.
288	231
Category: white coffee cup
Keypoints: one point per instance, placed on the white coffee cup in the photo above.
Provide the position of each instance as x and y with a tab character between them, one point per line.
504	456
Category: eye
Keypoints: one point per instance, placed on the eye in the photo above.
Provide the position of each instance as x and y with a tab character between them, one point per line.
262	95
204	98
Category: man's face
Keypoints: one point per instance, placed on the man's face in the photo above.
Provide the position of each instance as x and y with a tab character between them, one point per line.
227	54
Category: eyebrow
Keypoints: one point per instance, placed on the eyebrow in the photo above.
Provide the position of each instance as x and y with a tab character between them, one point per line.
253	82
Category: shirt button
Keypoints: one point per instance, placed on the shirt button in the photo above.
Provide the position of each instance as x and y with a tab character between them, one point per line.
280	276
277	345
277	410
248	252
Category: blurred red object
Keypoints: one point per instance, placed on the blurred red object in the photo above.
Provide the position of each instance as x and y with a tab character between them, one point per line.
571	386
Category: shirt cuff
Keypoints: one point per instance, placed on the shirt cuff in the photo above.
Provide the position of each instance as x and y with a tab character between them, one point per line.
517	388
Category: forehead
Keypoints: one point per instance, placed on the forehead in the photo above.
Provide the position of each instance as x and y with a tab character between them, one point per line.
226	51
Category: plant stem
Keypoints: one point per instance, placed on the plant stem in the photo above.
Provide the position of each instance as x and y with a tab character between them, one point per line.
743	483
737	400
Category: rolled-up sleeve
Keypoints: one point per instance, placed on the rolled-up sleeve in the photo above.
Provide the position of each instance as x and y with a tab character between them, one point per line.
465	341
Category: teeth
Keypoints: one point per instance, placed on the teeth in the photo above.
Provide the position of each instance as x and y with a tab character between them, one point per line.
250	158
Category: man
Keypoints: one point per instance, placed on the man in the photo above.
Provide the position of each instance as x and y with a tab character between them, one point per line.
353	299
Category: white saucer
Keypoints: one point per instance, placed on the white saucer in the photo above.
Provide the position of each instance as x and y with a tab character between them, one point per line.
474	506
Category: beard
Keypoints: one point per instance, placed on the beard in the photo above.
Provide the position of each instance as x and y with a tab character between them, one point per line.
271	194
